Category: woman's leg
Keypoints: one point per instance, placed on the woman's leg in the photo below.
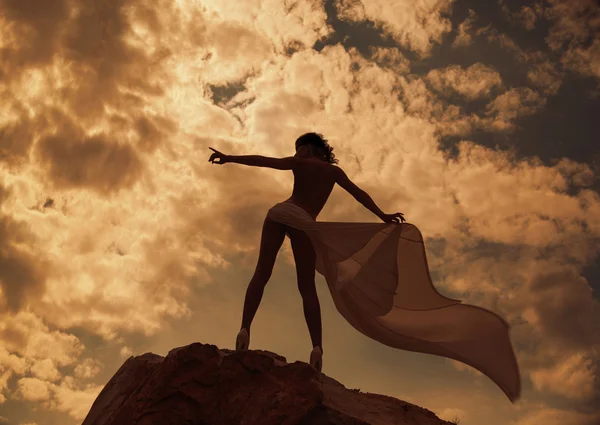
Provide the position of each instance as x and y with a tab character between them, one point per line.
304	256
272	237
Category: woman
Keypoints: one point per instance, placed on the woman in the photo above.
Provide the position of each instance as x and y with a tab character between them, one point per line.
377	273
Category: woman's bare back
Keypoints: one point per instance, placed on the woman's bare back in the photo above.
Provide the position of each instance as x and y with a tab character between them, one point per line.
314	180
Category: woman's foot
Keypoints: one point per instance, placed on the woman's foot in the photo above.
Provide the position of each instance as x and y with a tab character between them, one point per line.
243	340
316	358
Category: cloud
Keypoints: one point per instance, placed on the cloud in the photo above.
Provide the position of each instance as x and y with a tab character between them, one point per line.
68	396
45	370
416	25
88	368
21	270
40	353
390	57
558	358
565	308
33	31
545	76
72	398
10	364
125	352
508	218
545	414
506	108
471	83
573	26
298	25
26	334
526	16
33	389
543	72
521	256
500	114
574	377
84	61
84	43
464	37
73	159
423	103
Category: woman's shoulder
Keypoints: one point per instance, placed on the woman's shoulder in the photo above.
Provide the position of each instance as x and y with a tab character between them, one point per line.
313	161
316	164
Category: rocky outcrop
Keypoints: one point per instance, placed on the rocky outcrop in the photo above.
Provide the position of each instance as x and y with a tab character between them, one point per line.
200	384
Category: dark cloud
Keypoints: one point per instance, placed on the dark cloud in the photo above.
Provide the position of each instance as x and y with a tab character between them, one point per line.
152	132
16	139
36	27
103	61
88	34
21	273
566	309
574	27
99	162
552	56
100	69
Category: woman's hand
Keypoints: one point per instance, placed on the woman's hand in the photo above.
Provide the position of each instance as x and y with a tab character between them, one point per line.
392	218
218	155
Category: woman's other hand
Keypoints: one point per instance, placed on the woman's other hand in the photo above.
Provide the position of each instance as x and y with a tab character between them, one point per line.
393	218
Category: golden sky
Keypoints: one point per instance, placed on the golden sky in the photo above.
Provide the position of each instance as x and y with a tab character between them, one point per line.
117	237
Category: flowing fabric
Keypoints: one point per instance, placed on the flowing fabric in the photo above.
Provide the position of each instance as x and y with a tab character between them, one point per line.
379	280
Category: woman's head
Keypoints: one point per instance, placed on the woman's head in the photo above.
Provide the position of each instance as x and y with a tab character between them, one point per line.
317	141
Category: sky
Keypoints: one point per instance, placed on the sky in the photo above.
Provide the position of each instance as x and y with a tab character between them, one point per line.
477	120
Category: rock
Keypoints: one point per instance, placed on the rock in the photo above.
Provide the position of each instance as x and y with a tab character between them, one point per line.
199	384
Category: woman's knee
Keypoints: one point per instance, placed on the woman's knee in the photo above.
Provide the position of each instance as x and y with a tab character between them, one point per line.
261	276
307	288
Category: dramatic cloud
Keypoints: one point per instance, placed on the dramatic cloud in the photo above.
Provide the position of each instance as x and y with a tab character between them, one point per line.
33	389
541	414
473	82
10	364
46	370
29	337
390	57
464	37
73	398
504	110
574	377
21	270
88	368
526	16
573	34
416	25
545	76
118	237
73	159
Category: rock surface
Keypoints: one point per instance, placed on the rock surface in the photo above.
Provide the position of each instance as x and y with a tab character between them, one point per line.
201	385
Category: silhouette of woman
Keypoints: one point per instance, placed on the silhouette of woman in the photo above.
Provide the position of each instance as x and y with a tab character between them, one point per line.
377	273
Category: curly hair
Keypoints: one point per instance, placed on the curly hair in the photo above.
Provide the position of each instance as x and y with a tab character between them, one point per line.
317	139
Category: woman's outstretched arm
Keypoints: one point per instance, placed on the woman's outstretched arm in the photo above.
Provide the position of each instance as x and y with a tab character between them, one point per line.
286	163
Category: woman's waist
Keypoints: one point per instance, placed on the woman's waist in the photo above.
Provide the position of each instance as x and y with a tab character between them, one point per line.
287	204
